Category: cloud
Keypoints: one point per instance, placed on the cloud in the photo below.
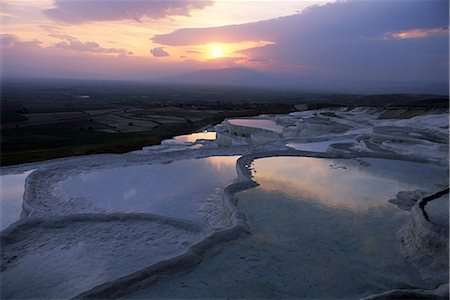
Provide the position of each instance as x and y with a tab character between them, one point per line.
259	31
417	33
257	60
21	58
76	12
89	46
351	19
343	40
11	41
62	36
348	41
8	40
72	43
159	52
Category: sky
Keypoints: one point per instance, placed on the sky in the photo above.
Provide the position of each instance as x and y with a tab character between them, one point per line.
403	40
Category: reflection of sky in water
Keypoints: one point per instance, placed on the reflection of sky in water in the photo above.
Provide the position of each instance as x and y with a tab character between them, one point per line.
325	245
328	219
191	138
305	249
11	194
438	210
176	189
344	183
257	123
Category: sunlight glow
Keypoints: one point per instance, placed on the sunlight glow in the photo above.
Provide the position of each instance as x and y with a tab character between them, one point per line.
217	51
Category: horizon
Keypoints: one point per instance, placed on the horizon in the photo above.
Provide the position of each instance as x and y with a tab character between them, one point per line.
345	88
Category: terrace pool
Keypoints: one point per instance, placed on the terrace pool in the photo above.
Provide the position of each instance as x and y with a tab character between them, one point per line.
317	146
257	123
320	228
176	189
11	193
191	138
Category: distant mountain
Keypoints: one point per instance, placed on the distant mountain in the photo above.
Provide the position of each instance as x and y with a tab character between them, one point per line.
17	71
251	78
248	78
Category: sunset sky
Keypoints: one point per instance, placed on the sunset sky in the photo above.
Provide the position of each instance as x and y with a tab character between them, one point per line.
114	39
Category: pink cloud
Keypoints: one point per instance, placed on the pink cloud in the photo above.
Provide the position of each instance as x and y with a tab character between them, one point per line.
341	40
417	33
62	36
159	52
76	12
11	41
89	46
258	31
31	59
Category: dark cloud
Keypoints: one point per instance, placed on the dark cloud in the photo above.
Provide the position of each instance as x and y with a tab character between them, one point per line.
89	46
8	40
351	19
76	12
224	34
344	40
159	52
257	60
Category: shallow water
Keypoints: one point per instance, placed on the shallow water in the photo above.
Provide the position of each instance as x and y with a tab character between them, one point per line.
178	189
257	123
320	228
61	260
317	146
11	196
438	210
342	183
191	138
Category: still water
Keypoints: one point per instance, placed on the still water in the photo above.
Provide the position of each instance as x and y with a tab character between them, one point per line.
11	194
438	210
317	146
320	228
176	189
191	138
343	183
257	123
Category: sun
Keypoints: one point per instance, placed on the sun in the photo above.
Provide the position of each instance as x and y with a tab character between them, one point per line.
216	51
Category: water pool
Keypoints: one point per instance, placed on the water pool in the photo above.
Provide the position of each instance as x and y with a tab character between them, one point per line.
317	146
11	194
177	189
353	184
257	123
316	233
191	138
